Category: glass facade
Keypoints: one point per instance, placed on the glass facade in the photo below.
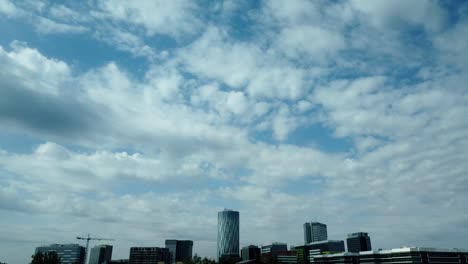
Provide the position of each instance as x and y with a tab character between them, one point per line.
250	252
318	231
100	254
149	255
228	233
357	242
307	233
68	253
181	250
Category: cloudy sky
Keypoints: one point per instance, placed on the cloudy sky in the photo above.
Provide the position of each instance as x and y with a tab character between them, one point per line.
139	120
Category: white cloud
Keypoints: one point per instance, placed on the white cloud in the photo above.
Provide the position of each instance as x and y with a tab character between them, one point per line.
174	18
189	129
29	67
313	42
71	171
8	8
66	14
126	41
261	72
390	13
453	44
47	26
283	123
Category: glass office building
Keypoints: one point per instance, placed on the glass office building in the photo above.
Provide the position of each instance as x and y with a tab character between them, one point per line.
314	232
181	250
250	252
100	254
149	255
68	253
357	242
228	233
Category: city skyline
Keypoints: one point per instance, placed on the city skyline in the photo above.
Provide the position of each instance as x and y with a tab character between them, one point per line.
228	240
140	120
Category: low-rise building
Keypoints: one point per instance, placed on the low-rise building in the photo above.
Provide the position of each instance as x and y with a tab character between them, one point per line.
117	261
181	250
359	241
287	257
333	246
404	255
337	258
274	248
68	253
149	255
250	252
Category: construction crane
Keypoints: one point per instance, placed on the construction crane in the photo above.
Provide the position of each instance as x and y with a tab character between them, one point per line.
88	238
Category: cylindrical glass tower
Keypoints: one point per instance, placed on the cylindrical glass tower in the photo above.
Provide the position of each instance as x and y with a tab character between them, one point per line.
228	233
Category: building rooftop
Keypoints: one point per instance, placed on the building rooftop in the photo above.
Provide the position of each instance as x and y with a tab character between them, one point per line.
341	254
412	249
325	241
357	234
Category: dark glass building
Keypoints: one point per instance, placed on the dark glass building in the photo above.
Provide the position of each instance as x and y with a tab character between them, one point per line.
180	250
250	252
314	232
228	234
274	249
328	246
307	233
149	255
68	253
318	232
100	254
118	261
357	242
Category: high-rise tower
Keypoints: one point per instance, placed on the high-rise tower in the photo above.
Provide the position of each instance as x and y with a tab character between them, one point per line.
100	254
228	233
307	233
318	231
314	232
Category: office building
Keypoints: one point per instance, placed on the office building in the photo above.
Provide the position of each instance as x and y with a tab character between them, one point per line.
149	255
68	253
117	261
100	254
270	252
228	234
307	233
318	232
404	255
274	249
250	252
358	242
287	257
342	258
328	246
181	250
314	232
302	253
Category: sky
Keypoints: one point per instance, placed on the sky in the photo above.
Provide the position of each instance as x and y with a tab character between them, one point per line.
140	120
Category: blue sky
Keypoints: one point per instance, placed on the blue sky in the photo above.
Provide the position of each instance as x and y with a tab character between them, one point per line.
139	120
